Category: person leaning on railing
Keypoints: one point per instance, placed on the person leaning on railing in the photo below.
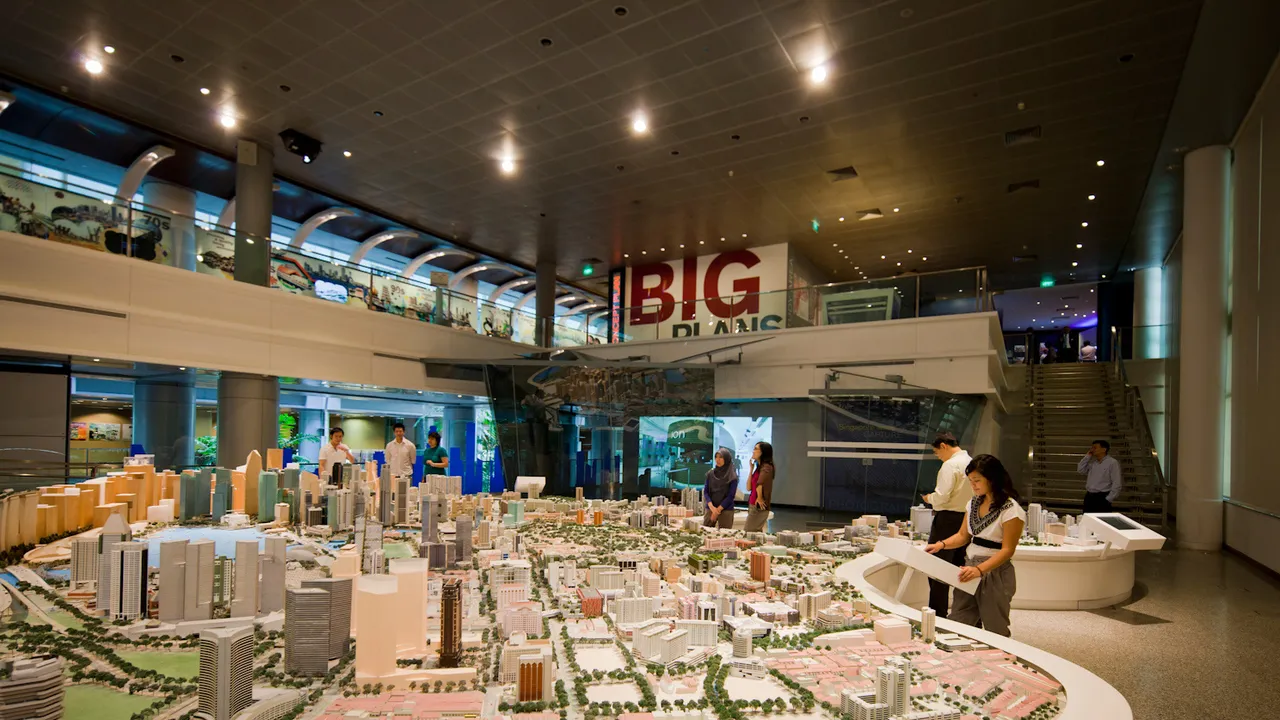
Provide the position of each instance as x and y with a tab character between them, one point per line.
992	526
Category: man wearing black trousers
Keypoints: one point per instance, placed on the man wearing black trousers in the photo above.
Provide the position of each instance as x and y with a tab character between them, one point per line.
949	499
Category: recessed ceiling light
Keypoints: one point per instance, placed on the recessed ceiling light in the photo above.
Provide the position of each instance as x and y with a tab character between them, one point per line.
882	257
924	258
899	264
744	234
1084	224
108	49
857	267
835	244
841	219
1090	289
346	153
662	249
818	75
1079	246
681	244
1037	302
702	242
644	252
226	120
1101	163
1092	197
507	165
639	124
1104	277
204	91
908	252
625	255
1075	264
721	239
94	66
182	368
896	209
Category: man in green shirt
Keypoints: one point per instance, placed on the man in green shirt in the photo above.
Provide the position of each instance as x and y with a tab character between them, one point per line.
434	459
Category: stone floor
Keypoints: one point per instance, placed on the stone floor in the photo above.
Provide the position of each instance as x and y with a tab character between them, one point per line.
1199	638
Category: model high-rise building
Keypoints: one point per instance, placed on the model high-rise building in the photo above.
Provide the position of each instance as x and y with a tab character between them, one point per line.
629	610
127	581
268	491
198	583
245	601
451	623
115	530
378	614
272	567
224	580
171	586
892	689
761	562
84	561
742	640
386	509
306	631
462	538
1035	520
222	494
226	671
536	677
702	633
338	613
862	706
375	562
31	688
402	500
928	617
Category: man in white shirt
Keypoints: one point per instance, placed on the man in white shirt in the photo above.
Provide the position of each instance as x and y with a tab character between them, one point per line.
401	453
1088	353
332	453
949	499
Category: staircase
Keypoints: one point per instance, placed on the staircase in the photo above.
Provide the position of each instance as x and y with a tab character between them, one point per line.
1073	404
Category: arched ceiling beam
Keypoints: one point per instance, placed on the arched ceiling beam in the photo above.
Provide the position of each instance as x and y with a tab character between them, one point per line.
507	287
470	270
138	170
375	240
316	221
412	268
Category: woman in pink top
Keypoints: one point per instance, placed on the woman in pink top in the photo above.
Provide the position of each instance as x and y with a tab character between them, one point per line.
761	487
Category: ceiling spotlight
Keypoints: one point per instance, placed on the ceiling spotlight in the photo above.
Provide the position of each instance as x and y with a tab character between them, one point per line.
227	120
1090	289
94	66
108	49
899	264
924	258
644	252
702	242
1084	224
882	257
842	219
346	153
1079	246
835	244
721	239
681	244
639	124
744	234
625	255
182	368
204	91
98	360
818	75
662	249
1092	197
1075	264
1101	163
1104	277
896	209
908	252
508	165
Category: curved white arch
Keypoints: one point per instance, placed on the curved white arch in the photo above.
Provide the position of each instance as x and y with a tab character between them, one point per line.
316	221
570	298
578	309
141	165
426	257
596	316
469	270
525	300
375	240
228	214
507	287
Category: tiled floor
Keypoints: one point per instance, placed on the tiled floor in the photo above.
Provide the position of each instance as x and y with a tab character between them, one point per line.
1200	638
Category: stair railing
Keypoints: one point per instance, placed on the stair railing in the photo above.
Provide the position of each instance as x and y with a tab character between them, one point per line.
1136	413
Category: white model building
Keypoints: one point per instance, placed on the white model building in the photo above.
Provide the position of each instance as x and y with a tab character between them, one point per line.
84	561
338	613
522	617
742	643
127	586
115	530
505	572
197	600
810	603
245	601
892	689
378	610
31	688
928	618
509	594
226	672
516	648
170	592
631	610
306	631
702	633
272	568
892	631
862	706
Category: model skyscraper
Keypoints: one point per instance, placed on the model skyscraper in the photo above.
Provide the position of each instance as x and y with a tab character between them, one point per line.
226	672
306	631
198	582
451	623
338	613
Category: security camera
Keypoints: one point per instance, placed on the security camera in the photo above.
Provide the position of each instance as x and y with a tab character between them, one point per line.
301	144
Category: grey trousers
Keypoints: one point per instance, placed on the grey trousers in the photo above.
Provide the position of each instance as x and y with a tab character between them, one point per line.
756	519
989	608
724	521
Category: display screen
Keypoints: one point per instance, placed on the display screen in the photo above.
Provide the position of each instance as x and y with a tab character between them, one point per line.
1120	523
678	451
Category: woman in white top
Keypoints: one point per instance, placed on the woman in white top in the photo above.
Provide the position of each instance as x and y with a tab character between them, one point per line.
992	526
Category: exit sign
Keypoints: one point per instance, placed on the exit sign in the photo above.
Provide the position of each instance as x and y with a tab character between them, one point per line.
1046	281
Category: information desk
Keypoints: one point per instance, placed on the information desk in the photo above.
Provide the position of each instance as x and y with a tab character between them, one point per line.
1089	697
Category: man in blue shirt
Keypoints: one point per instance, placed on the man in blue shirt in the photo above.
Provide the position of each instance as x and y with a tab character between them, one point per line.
1102	483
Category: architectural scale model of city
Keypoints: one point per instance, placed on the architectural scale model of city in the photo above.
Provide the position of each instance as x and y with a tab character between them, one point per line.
363	598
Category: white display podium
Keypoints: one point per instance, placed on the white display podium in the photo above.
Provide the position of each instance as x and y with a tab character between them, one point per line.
916	559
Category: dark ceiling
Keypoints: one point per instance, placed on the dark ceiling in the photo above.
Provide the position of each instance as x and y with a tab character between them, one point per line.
920	97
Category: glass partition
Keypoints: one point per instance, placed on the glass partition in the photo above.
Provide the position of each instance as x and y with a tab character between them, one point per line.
876	456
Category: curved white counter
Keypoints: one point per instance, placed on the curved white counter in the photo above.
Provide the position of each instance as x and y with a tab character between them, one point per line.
1089	697
1071	577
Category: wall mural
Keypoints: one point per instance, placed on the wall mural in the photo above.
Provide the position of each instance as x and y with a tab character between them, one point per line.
48	213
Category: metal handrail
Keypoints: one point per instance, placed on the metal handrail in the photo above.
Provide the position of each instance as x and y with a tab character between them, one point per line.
1254	508
1137	416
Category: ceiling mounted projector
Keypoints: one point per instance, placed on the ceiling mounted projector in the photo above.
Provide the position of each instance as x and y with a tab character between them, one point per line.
301	144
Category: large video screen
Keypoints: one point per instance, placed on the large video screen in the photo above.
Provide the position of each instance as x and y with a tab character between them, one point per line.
679	450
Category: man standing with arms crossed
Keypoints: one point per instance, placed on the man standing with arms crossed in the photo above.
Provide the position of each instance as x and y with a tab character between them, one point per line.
1102	483
401	453
949	499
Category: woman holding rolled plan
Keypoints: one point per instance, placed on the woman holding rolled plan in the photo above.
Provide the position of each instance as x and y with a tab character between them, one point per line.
992	526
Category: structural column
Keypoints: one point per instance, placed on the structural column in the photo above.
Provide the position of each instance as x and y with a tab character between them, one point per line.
311	422
248	416
180	204
1203	336
545	300
456	421
1148	337
164	416
253	212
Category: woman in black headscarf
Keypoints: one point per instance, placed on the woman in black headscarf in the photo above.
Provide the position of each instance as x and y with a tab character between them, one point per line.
720	491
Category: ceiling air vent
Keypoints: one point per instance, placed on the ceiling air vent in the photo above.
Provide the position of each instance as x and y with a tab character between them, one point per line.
872	214
1024	186
848	172
1025	258
1022	136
